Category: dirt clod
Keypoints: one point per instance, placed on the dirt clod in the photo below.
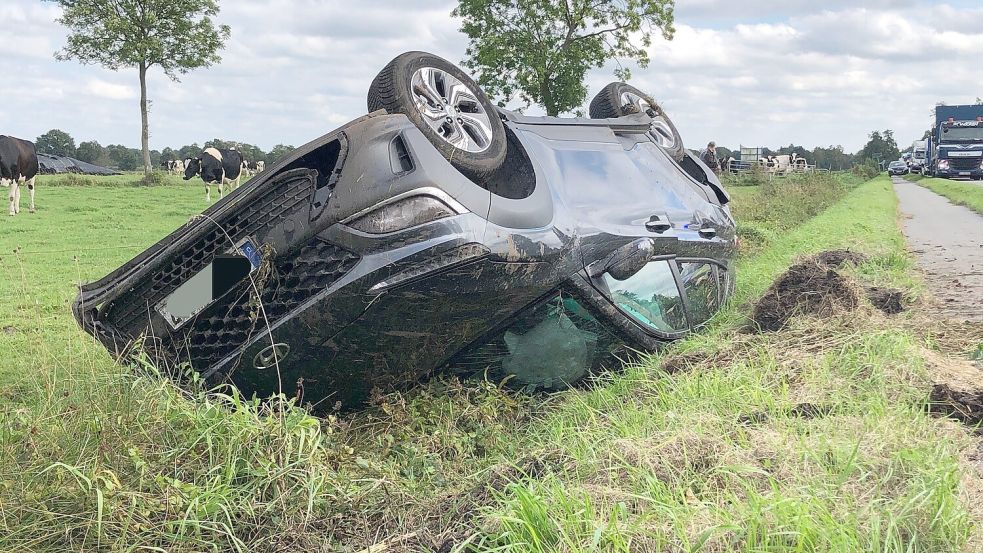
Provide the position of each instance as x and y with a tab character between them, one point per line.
807	288
888	300
838	258
965	407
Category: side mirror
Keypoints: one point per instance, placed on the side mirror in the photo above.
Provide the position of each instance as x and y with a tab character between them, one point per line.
626	261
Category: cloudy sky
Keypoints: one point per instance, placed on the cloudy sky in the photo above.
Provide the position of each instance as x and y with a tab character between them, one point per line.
751	72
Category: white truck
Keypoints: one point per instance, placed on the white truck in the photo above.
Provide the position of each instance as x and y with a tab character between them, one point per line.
918	156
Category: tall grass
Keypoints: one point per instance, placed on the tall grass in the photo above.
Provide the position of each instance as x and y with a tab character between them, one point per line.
777	205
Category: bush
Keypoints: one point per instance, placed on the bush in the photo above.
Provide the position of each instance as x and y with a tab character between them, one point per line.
755	177
71	179
866	169
153	179
785	203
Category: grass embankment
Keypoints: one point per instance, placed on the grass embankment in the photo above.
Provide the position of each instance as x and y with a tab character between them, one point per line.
960	192
715	458
767	211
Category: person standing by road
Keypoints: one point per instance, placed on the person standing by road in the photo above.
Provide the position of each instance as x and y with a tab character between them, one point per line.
709	156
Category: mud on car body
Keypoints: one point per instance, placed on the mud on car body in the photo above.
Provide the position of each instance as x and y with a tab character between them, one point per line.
436	233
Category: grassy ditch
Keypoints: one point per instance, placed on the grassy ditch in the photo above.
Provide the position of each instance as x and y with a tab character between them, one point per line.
767	211
704	447
964	193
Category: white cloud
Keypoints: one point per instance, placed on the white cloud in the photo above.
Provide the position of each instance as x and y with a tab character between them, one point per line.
110	91
753	72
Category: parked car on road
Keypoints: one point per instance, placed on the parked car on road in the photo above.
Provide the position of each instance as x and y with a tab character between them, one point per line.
436	233
897	168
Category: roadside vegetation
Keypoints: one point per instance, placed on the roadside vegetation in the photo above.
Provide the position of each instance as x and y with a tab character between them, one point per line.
769	208
965	193
812	438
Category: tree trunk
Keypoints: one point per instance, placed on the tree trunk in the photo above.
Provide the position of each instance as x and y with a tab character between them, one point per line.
145	125
547	95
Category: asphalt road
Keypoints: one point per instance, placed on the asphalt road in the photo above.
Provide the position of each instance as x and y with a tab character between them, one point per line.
947	240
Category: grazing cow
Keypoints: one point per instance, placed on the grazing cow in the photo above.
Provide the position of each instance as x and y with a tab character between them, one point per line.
18	165
215	165
782	164
250	168
175	166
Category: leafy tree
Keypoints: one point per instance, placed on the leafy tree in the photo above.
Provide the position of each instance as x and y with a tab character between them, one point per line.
832	158
881	147
89	151
168	154
798	150
56	142
219	143
125	159
278	152
189	151
540	50
252	153
175	35
724	153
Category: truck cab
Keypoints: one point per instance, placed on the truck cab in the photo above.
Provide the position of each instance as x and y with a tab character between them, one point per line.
918	156
957	142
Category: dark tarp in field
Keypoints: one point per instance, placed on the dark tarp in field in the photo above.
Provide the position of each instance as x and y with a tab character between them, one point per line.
63	164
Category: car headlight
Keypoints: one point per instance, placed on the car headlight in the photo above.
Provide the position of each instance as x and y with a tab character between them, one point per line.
943	164
402	214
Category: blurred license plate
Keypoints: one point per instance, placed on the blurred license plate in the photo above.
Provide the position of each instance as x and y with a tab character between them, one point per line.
963	173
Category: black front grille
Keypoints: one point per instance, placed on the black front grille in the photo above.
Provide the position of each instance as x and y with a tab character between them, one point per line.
235	318
964	163
129	311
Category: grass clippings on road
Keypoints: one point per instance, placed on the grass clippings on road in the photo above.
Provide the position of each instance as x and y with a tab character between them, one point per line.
816	437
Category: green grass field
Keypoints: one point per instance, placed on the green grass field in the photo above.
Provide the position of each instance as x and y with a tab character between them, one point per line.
960	192
98	457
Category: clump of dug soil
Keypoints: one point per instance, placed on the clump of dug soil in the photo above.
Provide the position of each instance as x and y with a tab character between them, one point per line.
888	300
839	258
965	407
807	288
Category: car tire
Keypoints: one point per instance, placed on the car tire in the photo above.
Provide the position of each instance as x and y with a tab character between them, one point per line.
448	107
619	99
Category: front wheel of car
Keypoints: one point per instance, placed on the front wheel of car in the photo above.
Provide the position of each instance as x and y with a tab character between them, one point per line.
448	107
619	99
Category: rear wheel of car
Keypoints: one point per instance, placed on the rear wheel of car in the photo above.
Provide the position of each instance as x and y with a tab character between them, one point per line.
447	106
620	99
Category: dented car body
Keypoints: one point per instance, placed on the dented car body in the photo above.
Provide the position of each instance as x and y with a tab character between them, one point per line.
366	259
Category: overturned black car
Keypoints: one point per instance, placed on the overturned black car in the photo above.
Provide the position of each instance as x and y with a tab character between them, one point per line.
437	233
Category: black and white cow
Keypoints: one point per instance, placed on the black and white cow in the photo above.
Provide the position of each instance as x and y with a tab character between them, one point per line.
175	166
250	168
18	165
215	165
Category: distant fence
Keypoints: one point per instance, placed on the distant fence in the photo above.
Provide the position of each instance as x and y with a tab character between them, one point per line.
779	166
